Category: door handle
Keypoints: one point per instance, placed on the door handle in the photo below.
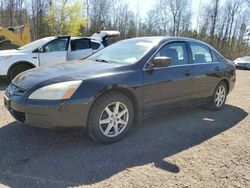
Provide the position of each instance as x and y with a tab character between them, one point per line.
34	57
217	69
187	73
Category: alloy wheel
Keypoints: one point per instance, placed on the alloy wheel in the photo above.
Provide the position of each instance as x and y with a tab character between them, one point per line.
220	96
114	119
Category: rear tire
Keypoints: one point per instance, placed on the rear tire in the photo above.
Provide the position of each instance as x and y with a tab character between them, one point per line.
17	69
217	101
110	118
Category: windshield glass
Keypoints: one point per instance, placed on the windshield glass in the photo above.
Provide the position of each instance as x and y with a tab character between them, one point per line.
124	52
36	44
243	59
246	58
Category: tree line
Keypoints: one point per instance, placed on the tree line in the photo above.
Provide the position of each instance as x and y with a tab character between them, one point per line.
225	24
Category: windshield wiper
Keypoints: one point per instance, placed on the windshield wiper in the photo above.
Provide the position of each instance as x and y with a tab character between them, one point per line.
102	60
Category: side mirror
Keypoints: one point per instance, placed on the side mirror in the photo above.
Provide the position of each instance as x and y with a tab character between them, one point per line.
162	61
40	50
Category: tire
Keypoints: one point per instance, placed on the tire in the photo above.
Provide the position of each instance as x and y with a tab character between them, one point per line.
217	101
105	125
17	69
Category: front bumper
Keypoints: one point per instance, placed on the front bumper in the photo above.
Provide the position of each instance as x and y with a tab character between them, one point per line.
57	115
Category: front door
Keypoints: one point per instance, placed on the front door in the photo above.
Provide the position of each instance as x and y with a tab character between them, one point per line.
170	84
54	52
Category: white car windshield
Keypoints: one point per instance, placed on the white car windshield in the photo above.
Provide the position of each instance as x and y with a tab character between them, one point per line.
36	44
124	52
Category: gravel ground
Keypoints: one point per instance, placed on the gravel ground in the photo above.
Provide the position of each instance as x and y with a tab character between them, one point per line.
186	148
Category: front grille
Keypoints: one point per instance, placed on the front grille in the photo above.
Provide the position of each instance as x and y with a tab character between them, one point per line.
15	90
19	116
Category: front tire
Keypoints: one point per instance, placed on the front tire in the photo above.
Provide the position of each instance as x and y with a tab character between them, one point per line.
110	118
219	97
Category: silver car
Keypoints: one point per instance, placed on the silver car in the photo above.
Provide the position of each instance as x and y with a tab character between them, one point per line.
242	62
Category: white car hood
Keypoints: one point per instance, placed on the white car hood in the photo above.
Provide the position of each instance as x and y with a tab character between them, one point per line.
11	52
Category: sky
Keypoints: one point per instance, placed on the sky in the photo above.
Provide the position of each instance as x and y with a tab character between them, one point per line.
145	5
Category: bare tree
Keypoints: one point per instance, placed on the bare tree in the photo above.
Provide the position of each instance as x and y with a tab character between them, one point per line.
39	10
222	23
214	17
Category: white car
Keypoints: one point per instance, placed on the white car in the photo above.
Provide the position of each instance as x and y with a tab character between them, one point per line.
242	62
51	50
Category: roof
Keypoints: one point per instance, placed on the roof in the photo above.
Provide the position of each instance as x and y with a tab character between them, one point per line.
166	38
163	39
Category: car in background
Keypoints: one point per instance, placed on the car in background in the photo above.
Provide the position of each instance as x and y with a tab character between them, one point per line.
110	90
242	62
51	50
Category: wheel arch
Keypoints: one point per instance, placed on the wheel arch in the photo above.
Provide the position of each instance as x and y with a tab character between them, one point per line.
226	81
128	92
19	63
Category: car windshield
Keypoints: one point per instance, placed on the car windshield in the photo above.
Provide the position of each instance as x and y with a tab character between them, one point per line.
124	52
246	59
36	44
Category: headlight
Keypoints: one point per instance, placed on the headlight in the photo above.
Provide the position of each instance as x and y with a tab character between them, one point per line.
63	90
5	57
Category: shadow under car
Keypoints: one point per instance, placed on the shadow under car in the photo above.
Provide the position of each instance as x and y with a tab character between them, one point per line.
38	157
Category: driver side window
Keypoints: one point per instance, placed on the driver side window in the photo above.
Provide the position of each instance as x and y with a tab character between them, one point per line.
176	51
56	45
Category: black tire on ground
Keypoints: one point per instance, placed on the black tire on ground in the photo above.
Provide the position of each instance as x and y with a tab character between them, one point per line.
212	101
98	111
17	69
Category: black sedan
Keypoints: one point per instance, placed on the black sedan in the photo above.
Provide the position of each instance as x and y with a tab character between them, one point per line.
114	88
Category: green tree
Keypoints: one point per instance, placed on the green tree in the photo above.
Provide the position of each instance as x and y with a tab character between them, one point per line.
66	17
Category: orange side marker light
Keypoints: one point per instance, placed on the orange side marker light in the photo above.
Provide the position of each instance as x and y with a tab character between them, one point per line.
69	93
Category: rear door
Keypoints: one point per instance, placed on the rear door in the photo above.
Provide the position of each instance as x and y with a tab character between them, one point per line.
80	48
170	84
54	52
207	70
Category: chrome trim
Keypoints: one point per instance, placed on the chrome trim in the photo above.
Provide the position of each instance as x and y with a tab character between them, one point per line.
190	64
144	67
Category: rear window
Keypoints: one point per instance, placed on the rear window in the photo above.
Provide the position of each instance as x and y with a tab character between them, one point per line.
217	57
80	44
200	53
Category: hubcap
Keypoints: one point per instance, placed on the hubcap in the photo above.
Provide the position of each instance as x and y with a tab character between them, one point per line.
220	96
114	119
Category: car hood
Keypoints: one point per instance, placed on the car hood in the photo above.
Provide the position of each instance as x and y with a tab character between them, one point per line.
10	52
242	62
77	70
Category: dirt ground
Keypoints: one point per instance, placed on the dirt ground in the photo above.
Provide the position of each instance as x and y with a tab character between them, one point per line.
186	148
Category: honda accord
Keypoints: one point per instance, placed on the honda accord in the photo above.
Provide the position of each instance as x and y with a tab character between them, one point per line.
111	90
